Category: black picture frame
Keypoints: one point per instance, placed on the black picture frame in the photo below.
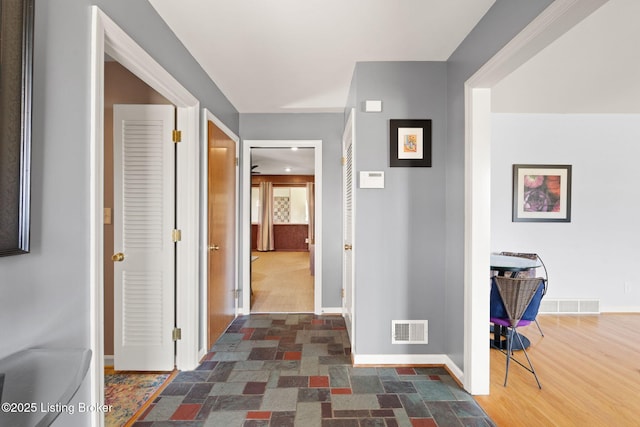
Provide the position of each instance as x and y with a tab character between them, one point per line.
16	51
410	143
541	193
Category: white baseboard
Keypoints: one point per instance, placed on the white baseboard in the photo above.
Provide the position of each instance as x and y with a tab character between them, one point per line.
408	359
109	360
630	309
323	310
331	310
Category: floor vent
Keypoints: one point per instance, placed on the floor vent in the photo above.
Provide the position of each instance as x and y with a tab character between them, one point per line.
409	332
570	306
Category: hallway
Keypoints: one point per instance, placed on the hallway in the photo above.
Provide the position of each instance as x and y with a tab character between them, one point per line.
295	370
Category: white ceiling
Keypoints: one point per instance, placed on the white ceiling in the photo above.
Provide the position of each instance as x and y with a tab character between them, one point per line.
593	68
271	56
283	161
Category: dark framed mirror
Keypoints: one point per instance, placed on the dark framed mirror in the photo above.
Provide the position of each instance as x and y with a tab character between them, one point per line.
16	69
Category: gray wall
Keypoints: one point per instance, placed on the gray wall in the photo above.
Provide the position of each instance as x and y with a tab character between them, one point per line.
410	236
327	127
501	23
44	295
399	261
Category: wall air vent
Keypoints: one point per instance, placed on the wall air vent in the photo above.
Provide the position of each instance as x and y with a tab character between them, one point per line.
409	332
569	306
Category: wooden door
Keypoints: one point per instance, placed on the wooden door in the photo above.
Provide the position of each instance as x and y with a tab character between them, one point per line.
144	217
222	230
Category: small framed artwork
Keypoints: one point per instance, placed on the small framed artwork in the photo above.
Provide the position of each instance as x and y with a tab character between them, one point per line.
541	193
410	143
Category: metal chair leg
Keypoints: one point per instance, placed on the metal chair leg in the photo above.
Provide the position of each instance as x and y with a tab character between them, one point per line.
539	328
509	353
533	371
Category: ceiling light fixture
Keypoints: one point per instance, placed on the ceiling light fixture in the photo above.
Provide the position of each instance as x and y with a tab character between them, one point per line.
294	148
287	169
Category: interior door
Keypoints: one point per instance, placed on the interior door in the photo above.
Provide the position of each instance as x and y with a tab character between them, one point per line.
348	212
144	218
222	230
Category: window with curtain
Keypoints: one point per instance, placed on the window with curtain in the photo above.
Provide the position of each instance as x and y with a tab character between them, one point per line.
290	205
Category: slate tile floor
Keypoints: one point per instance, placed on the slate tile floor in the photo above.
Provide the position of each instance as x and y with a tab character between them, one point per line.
282	370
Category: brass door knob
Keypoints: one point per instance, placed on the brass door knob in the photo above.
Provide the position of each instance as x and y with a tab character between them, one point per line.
214	247
348	247
118	257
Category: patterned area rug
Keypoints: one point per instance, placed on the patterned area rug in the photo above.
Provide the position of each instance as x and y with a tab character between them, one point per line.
128	392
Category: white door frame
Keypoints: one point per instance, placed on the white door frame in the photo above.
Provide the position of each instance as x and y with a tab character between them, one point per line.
204	232
247	145
349	282
554	21
107	37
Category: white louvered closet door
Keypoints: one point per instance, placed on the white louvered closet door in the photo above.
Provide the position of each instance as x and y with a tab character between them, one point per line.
144	218
348	212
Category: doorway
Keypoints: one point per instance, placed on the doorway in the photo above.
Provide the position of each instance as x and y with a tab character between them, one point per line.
121	87
282	230
300	240
108	38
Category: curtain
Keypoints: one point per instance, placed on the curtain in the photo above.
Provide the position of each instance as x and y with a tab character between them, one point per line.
265	218
311	204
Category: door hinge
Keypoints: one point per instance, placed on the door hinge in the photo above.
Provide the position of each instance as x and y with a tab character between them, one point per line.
343	160
176	235
176	136
236	293
237	161
342	292
176	334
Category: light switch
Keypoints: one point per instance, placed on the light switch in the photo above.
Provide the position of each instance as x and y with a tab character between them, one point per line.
107	215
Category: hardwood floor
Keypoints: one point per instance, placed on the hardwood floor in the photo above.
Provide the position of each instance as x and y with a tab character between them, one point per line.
281	282
589	368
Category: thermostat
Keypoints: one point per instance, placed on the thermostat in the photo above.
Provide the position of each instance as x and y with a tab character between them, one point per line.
371	179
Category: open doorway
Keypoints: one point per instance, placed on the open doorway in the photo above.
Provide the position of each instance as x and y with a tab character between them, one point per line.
282	229
282	226
108	38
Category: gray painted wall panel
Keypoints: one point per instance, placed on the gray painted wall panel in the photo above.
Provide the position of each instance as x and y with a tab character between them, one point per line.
399	235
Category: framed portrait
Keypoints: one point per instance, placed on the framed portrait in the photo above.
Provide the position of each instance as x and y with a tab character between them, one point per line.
16	53
410	143
541	193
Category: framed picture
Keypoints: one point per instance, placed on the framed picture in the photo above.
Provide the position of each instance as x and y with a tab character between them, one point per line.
410	143
16	53
541	193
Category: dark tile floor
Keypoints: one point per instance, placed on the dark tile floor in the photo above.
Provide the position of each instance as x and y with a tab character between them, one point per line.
295	370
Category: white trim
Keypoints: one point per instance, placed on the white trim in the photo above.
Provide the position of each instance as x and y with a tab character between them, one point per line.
408	359
554	21
96	185
246	212
107	37
204	232
349	314
477	238
331	310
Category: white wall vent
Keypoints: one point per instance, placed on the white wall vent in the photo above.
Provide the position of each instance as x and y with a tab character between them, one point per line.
409	332
570	306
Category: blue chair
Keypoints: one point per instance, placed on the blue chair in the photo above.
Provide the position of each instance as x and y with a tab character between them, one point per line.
515	303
